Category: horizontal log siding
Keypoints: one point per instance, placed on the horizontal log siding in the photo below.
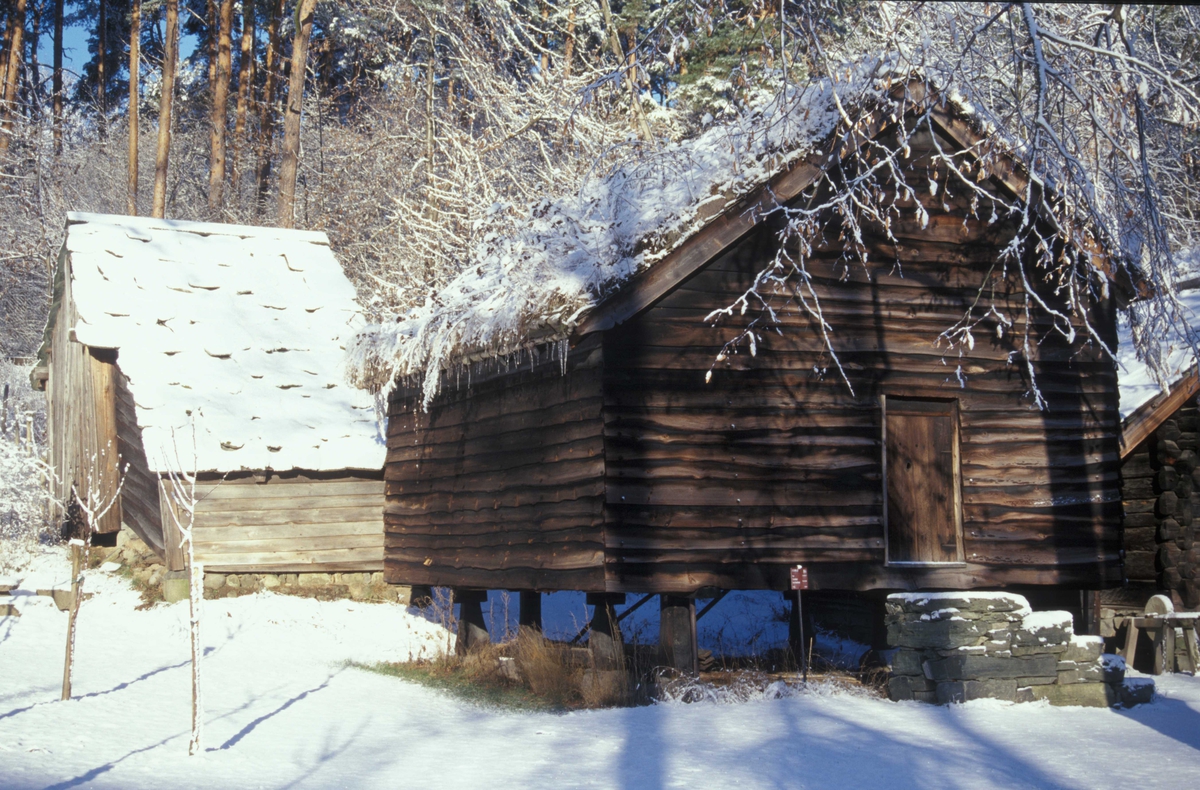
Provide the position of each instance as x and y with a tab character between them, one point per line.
500	484
727	484
290	523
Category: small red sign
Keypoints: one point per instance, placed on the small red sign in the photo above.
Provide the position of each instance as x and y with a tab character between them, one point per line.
799	578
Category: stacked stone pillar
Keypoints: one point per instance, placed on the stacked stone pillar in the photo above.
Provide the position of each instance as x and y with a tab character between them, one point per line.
955	647
1174	462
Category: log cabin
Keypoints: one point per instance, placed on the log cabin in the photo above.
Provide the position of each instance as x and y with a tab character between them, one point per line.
216	349
1159	477
635	452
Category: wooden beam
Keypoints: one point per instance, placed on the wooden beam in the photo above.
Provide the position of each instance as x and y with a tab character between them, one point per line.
1143	422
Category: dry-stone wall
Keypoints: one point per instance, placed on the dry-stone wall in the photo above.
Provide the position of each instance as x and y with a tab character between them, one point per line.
955	647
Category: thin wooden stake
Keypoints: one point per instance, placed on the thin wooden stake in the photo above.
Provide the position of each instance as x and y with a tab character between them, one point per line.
76	595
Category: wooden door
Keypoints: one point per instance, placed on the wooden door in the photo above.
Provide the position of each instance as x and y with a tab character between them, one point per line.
921	481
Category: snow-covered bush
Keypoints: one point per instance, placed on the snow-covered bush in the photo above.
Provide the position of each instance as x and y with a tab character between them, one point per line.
22	490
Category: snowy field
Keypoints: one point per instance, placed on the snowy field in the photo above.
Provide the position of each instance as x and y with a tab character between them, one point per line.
282	710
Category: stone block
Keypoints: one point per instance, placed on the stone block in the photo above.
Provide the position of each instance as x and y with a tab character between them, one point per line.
936	634
925	696
270	581
1024	694
968	650
214	581
315	580
1039	650
359	591
1083	649
1112	667
1041	680
1088	695
908	662
403	593
1134	691
1068	676
967	690
176	587
233	580
984	667
289	579
377	577
981	602
902	687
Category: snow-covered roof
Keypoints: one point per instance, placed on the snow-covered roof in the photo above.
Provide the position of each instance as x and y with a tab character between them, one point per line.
1136	381
240	329
535	274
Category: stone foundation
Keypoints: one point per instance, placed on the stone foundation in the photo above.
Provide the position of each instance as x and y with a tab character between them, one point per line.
955	647
356	586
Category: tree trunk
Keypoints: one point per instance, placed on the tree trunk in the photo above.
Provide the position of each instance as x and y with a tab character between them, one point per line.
16	52
569	47
266	125
216	173
290	159
35	69
101	76
635	99
5	47
58	76
135	66
162	156
245	87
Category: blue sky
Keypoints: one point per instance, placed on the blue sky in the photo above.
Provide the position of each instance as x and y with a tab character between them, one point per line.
75	47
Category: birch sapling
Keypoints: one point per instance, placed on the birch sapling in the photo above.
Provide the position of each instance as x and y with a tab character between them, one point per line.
179	488
94	504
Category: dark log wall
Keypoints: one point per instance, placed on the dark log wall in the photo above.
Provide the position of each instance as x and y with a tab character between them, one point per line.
630	473
500	484
776	462
1159	479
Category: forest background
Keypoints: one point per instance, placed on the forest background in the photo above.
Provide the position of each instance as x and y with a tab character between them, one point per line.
405	128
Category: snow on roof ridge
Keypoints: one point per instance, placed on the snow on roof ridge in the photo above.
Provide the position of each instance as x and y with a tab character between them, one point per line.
191	226
533	277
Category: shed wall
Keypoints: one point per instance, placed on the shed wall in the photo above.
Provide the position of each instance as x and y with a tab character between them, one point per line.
83	432
290	523
500	484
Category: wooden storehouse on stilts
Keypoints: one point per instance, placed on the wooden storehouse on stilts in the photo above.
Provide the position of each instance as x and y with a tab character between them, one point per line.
634	450
186	346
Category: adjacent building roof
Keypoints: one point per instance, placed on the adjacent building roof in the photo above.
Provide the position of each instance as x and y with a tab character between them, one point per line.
1144	404
240	331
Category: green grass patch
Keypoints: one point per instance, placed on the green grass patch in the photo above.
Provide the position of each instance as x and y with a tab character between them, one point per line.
449	677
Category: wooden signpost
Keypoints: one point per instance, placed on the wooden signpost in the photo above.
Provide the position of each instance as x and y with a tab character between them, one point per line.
799	577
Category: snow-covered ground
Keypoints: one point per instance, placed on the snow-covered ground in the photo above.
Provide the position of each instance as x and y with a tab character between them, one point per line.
282	709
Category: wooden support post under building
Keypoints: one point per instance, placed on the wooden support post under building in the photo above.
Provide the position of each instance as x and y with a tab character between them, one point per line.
677	634
604	637
530	610
472	630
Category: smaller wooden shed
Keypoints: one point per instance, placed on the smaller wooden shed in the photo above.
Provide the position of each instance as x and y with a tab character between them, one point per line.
1160	476
215	348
